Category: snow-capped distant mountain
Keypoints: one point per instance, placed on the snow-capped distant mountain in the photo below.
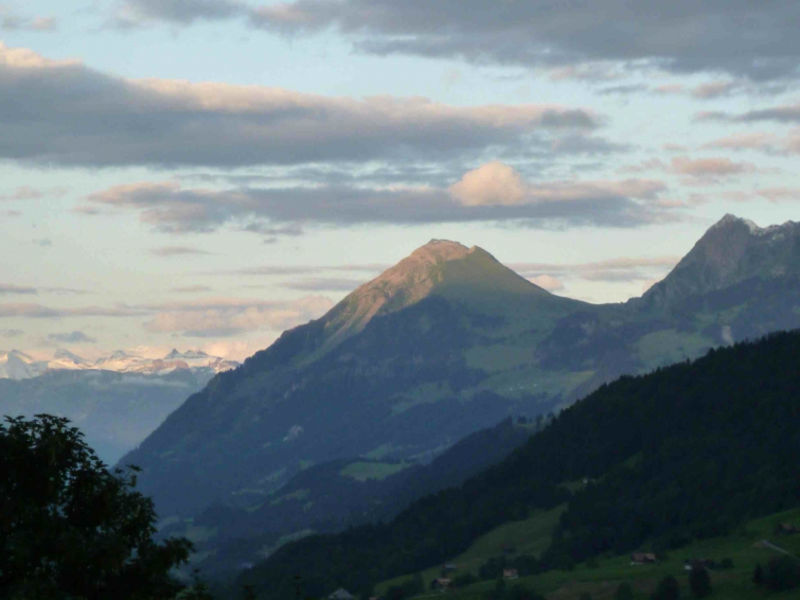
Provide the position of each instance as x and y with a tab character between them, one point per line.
64	359
17	365
125	362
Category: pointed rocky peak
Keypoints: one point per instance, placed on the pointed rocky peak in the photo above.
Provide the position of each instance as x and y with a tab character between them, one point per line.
64	359
731	220
732	250
66	354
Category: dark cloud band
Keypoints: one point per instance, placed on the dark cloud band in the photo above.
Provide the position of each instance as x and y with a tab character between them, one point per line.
65	113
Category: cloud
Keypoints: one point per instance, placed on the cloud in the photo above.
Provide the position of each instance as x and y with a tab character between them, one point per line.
789	113
138	12
745	141
9	333
63	113
10	21
228	317
633	88
611	270
26	192
297	270
170	251
497	184
72	337
669	88
685	36
8	288
493	183
713	89
168	207
191	289
38	311
772	194
64	291
709	167
323	284
779	194
548	282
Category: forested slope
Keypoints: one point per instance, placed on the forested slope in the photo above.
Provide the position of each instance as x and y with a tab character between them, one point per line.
685	452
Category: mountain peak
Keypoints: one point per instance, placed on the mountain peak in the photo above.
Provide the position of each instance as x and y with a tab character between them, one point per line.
438	250
731	220
441	266
731	251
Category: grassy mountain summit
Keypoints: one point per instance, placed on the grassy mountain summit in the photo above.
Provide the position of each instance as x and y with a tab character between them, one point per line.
449	269
445	343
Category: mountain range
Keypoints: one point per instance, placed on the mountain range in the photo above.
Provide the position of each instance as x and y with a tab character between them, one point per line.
445	343
116	400
18	365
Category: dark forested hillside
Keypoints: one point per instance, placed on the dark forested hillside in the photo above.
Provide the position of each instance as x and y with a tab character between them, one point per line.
331	496
685	452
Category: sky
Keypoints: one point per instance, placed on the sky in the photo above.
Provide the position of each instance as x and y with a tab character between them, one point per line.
206	173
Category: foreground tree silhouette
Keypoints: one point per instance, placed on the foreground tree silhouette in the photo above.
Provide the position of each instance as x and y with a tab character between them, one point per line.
69	528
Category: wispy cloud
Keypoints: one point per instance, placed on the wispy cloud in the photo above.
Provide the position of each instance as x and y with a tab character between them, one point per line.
228	317
12	21
8	288
788	113
745	141
192	289
611	270
72	337
26	192
135	13
171	251
323	284
39	311
548	282
709	168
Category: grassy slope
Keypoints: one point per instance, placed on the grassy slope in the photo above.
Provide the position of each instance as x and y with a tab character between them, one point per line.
602	578
530	536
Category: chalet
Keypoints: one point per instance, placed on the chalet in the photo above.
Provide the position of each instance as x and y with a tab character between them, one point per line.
642	558
510	574
341	594
441	583
699	563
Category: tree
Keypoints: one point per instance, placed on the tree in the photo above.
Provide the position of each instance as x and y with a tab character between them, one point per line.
782	573
71	528
758	575
624	591
699	582
667	589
